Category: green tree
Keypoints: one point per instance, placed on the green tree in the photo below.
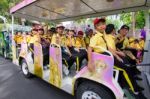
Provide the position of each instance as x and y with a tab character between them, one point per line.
80	21
5	6
126	18
114	21
140	19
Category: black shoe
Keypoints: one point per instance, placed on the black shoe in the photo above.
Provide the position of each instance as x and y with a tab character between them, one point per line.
138	78
140	96
139	89
138	72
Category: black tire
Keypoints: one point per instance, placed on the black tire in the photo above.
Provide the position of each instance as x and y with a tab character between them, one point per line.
85	87
26	73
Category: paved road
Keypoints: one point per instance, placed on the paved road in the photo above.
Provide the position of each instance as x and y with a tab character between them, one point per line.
13	85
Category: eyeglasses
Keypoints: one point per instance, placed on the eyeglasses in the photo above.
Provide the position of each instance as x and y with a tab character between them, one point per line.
37	30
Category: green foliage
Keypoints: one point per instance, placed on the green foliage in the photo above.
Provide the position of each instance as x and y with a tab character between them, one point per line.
5	6
80	21
116	22
140	19
51	24
1	26
126	18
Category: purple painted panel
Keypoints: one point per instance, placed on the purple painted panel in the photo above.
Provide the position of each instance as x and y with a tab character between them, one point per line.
21	5
55	53
38	60
103	72
103	66
55	67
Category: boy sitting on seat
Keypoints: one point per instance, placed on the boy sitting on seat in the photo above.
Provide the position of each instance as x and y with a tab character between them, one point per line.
119	58
60	39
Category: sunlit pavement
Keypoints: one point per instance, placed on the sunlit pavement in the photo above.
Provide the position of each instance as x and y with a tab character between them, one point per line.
13	85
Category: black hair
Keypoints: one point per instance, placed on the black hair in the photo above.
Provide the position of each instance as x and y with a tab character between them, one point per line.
71	31
27	33
90	30
136	40
53	30
66	30
109	28
125	27
118	31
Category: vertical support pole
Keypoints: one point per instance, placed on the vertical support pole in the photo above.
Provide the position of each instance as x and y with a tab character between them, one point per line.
133	23
147	43
147	26
12	17
13	43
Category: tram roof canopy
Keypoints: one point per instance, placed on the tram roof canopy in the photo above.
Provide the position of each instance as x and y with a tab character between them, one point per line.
63	10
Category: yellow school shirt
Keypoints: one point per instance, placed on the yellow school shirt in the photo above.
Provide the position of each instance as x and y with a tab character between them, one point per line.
53	41
87	40
15	38
79	43
135	45
125	42
70	41
18	39
63	40
34	38
57	39
131	39
110	40
97	40
28	38
142	44
48	38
